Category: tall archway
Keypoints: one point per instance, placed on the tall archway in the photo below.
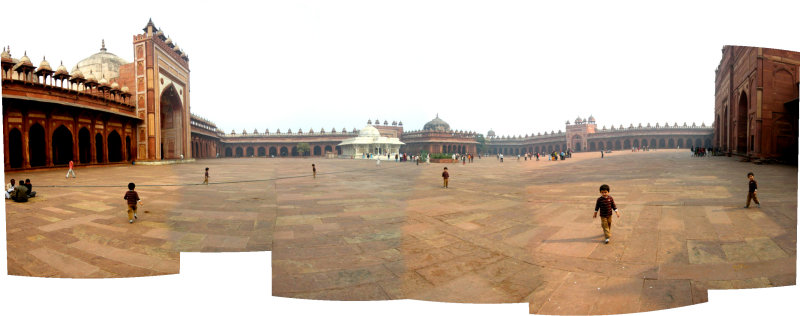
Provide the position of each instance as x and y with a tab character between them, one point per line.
98	147
680	143
250	152
328	149
741	125
61	145
228	152
36	145
273	151
671	143
635	143
114	147
576	143
172	133
284	152
618	145
15	148
661	143
262	151
653	143
84	145
317	151
294	151
627	144
239	152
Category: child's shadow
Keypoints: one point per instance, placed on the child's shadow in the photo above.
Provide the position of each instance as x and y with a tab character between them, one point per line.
589	239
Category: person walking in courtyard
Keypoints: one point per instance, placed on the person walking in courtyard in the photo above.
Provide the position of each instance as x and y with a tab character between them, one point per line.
70	171
205	180
132	197
314	170
605	204
445	177
752	194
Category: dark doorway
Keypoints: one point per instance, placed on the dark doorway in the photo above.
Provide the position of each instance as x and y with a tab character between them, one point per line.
228	152
114	147
36	145
262	151
284	152
273	152
239	152
62	146
741	125
15	148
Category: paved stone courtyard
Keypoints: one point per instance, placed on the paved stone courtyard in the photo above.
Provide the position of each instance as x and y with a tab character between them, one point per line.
523	232
517	231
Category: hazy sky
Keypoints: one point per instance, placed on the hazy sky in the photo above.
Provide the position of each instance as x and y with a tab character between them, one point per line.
517	67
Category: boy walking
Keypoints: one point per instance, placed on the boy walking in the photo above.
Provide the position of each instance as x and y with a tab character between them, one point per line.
205	180
753	192
314	170
132	197
70	171
605	204
445	176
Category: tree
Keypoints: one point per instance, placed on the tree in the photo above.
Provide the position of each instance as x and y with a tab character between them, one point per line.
303	148
481	143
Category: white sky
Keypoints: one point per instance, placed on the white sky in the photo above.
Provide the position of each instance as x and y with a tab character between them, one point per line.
517	67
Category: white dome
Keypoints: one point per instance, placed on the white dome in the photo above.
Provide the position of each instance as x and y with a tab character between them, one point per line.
369	131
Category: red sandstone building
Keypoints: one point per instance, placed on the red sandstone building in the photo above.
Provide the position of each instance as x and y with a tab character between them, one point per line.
109	110
756	103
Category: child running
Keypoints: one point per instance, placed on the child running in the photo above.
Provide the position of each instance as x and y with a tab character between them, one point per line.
132	197
605	204
752	194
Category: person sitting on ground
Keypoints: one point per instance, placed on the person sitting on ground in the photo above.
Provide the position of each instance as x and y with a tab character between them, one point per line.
20	193
31	192
9	188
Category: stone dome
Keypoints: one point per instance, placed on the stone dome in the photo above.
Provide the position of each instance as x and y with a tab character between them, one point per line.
45	65
61	69
369	131
437	125
591	119
490	133
103	64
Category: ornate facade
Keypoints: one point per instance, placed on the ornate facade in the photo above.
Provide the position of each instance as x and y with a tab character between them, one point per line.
52	117
756	107
584	135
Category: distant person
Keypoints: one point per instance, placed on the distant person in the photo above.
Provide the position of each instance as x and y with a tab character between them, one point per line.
70	171
501	157
31	192
377	161
314	170
605	204
445	177
132	197
20	193
601	154
752	193
205	180
9	188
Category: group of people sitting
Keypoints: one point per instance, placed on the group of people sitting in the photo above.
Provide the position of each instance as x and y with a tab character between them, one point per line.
20	192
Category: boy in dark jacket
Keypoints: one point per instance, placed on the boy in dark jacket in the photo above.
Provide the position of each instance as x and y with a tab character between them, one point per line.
753	192
605	204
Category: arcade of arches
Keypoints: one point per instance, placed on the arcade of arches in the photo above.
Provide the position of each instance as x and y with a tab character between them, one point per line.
38	135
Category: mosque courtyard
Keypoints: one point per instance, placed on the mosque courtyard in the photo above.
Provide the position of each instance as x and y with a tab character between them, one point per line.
517	231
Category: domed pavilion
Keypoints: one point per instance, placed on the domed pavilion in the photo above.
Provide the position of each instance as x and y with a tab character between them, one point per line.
370	141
